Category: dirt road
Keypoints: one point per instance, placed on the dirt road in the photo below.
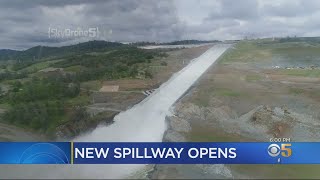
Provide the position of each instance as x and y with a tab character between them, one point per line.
12	133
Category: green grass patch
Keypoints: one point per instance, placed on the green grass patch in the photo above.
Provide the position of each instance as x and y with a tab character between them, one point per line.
263	50
5	106
100	53
204	134
203	96
253	77
81	100
10	67
76	68
11	81
245	51
91	85
227	92
38	66
297	49
201	100
296	91
301	72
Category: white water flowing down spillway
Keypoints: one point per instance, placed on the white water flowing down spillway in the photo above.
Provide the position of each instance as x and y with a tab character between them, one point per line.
144	122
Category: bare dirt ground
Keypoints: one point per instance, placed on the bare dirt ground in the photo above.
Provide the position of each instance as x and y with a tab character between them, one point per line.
10	133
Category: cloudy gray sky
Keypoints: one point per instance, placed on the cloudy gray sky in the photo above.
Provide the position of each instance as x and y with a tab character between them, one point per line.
24	24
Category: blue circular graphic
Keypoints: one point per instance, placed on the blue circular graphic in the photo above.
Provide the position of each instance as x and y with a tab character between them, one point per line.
44	153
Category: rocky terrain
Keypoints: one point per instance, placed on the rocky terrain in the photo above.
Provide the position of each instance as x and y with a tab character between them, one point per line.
259	124
262	123
246	99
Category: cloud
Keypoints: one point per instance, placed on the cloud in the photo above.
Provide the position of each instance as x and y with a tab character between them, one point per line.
24	24
257	18
292	8
246	9
128	20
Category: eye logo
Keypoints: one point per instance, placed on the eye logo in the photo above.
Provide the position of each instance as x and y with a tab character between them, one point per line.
274	150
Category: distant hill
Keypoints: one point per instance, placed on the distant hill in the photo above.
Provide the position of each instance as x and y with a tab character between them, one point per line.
182	42
39	52
8	53
188	42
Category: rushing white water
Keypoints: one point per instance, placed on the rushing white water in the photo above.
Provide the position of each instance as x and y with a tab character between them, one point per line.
145	122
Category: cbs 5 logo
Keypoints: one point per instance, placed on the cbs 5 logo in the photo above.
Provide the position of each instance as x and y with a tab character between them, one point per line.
274	150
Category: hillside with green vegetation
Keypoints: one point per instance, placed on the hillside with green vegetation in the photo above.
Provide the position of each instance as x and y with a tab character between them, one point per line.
46	93
39	52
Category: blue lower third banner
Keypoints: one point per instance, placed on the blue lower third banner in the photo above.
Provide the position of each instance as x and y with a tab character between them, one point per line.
158	153
35	153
